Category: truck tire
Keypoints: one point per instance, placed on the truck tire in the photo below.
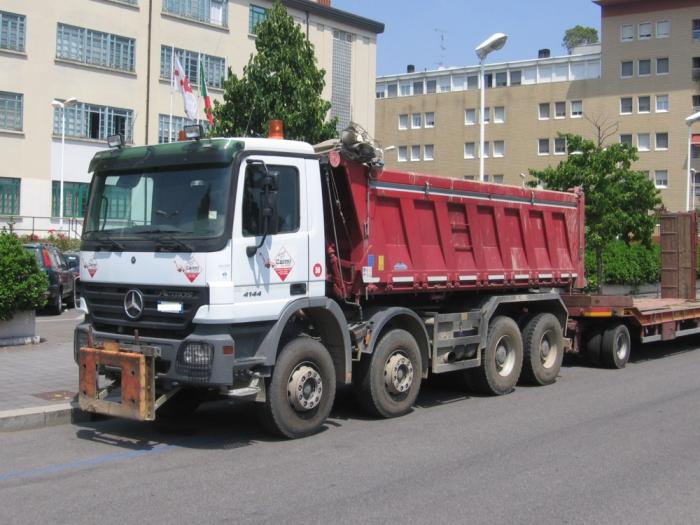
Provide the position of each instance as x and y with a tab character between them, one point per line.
543	350
593	338
501	360
389	380
301	391
616	346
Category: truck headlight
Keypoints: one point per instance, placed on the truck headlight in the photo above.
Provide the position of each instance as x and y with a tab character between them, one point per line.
197	354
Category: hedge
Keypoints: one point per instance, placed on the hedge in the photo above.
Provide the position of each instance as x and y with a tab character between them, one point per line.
631	264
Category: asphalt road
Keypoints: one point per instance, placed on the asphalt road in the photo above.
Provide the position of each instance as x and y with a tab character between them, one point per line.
599	446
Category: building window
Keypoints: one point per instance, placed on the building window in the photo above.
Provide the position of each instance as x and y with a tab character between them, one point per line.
662	66
381	92
405	89
418	87
9	196
94	48
696	102
445	85
403	121
544	111
214	67
644	67
168	133
663	29
416	121
12	31
696	29
627	32
499	114
662	141
469	150
661	103
487	149
429	152
576	108
256	14
516	77
430	119
487	115
643	141
488	80
644	104
472	82
559	146
403	153
430	86
626	105
501	79
469	117
11	108
661	178
497	179
415	153
499	148
543	147
626	138
696	68
75	195
89	121
392	90
626	68
644	31
341	79
213	12
559	109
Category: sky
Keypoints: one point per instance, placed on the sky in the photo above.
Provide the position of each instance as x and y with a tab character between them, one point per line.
411	33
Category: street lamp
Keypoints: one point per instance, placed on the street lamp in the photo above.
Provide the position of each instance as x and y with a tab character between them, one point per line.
692	119
492	43
57	104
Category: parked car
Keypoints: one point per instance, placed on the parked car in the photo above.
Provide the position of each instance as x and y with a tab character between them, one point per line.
73	260
61	278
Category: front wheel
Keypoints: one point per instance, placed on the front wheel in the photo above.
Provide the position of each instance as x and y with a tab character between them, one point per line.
501	360
301	391
390	379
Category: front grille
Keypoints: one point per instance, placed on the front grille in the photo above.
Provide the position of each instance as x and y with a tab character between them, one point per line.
105	303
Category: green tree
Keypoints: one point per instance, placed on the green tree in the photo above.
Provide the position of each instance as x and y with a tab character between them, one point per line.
579	35
280	81
618	199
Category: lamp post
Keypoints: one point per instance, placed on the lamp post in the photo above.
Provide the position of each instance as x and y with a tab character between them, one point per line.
492	43
692	119
57	104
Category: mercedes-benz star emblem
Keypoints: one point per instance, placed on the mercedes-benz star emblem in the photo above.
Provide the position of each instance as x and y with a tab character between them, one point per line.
133	304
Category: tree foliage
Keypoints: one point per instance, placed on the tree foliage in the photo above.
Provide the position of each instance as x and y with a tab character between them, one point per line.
24	284
280	81
618	199
579	35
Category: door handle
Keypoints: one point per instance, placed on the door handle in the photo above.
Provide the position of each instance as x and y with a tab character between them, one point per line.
297	289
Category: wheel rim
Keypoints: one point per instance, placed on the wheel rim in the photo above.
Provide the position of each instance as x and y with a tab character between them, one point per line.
548	350
398	373
304	387
505	357
621	346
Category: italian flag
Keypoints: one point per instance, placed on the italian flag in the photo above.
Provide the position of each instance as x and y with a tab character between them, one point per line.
204	93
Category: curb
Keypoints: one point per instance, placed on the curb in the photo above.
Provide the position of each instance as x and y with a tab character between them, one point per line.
42	416
19	341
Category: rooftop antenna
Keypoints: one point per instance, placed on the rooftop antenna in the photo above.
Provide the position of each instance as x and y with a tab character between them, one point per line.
443	47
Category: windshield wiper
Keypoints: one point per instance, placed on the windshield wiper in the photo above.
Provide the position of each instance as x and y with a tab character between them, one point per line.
168	241
108	242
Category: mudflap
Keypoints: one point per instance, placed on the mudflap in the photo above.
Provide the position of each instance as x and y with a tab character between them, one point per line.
137	381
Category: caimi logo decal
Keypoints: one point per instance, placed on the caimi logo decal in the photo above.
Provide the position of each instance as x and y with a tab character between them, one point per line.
91	267
190	268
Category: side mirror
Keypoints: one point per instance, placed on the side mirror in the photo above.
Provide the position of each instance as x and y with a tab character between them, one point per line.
268	212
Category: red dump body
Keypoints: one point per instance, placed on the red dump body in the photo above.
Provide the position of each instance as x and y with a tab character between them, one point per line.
401	232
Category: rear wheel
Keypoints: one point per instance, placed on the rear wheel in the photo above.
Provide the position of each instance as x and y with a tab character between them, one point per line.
615	347
501	360
301	391
543	350
56	305
390	379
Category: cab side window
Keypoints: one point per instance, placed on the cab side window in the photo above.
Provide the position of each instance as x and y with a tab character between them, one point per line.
287	198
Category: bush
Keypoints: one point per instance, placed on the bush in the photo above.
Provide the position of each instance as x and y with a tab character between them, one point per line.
24	285
631	264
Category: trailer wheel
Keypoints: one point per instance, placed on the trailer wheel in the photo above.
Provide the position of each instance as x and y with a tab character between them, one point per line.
301	391
389	381
543	350
616	345
501	360
593	338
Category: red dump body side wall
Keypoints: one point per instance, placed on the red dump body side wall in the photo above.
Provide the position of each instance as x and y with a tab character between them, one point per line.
411	232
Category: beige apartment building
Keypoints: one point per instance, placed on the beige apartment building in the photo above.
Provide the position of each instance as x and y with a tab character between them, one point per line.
639	86
114	58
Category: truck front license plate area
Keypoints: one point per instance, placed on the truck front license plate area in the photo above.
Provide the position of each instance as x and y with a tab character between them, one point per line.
137	384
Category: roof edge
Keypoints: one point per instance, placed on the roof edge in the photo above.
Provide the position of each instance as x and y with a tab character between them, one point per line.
356	21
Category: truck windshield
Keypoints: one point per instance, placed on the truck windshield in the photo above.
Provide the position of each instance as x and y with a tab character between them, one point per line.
190	203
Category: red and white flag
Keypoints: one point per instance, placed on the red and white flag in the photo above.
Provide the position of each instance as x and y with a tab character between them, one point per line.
182	84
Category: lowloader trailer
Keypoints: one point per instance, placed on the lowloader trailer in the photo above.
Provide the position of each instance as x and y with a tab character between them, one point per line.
262	270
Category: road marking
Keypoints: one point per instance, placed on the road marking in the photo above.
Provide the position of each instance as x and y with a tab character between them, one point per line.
108	458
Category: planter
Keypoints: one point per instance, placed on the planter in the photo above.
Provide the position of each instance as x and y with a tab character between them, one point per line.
21	329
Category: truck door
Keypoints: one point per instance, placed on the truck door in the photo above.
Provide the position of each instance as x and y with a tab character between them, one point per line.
279	272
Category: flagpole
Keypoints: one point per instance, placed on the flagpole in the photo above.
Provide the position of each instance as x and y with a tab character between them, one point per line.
199	71
172	88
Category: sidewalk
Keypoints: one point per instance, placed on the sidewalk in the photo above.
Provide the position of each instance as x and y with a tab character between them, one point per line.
38	382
